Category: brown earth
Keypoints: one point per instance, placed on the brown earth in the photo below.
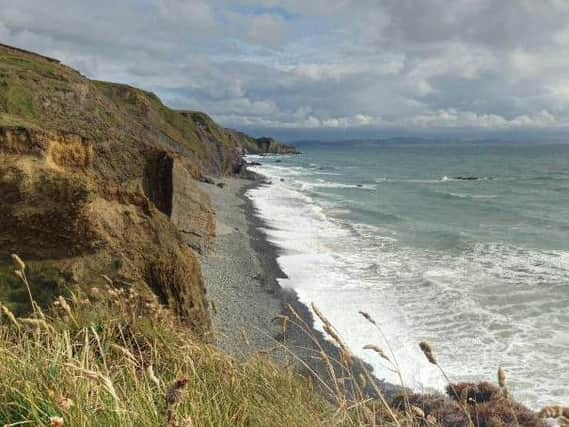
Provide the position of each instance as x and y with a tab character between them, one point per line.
98	179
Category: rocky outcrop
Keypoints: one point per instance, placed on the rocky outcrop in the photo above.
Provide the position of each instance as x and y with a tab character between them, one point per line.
249	145
57	207
93	183
226	147
191	210
272	146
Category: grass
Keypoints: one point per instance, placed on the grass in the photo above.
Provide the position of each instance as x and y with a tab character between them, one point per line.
47	283
113	357
19	77
147	106
20	100
109	357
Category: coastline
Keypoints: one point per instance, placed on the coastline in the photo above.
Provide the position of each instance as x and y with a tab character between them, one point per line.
245	256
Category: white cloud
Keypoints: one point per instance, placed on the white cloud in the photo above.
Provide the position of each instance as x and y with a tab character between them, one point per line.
267	30
329	64
191	15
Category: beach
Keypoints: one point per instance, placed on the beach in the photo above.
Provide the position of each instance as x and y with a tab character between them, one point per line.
240	286
241	274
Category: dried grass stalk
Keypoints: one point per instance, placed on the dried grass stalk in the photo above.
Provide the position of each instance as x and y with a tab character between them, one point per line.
378	350
428	352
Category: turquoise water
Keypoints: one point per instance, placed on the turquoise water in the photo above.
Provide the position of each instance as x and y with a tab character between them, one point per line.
478	267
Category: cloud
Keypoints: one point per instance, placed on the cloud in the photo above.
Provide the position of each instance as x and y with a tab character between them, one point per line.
324	64
190	15
269	30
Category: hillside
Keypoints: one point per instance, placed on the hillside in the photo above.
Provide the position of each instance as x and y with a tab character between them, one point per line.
96	178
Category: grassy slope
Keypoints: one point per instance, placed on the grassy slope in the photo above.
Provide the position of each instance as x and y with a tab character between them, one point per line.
147	107
111	357
96	350
16	96
38	93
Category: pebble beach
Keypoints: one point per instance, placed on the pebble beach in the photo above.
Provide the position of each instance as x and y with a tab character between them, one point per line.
241	274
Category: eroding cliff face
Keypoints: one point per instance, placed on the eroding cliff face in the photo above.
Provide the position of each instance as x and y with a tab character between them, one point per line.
192	213
158	181
44	207
56	206
98	178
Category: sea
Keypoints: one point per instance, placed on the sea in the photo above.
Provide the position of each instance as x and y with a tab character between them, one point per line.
464	245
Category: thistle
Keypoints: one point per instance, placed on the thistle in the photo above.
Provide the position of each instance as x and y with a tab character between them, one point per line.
56	422
175	395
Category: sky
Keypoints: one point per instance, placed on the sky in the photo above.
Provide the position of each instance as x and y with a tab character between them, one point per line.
321	67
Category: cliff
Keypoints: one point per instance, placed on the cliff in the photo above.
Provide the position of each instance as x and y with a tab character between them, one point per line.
264	145
96	179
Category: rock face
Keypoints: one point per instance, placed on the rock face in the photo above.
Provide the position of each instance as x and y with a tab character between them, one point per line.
225	147
56	207
192	212
92	173
272	146
264	145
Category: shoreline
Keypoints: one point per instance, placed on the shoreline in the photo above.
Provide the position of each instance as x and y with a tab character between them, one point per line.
264	299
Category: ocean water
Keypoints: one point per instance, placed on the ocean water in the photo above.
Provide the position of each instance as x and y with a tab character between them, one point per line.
479	268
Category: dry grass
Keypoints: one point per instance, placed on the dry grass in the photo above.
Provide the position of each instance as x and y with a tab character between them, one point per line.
71	154
111	357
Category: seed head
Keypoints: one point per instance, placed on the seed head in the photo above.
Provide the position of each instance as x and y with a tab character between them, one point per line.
39	323
120	349
64	403
428	352
177	393
18	263
368	317
554	412
56	422
417	412
377	350
501	377
20	275
10	315
63	304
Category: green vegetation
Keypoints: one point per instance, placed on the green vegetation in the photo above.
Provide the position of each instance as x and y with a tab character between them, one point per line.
148	107
47	283
20	77
110	358
19	100
113	357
